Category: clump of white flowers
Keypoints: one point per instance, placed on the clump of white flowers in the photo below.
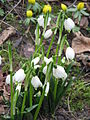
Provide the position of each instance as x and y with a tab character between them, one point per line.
70	54
35	81
69	24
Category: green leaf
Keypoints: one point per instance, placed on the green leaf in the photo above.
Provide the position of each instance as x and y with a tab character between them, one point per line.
84	13
29	7
33	20
1	12
27	110
76	14
76	29
71	10
36	8
27	21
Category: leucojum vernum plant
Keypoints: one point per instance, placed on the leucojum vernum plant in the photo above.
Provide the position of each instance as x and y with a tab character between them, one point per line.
46	76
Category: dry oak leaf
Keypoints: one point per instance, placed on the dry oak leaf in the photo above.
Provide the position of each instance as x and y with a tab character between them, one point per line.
81	43
6	34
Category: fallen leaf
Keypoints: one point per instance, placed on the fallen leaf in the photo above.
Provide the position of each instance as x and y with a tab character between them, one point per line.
81	43
84	58
84	22
6	34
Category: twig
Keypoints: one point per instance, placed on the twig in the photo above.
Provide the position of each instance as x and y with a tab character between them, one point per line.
68	104
72	4
16	11
10	11
8	24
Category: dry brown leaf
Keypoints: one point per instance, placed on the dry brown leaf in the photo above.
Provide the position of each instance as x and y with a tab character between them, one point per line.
6	33
84	58
81	43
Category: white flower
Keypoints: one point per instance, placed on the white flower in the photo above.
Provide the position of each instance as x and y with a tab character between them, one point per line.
36	31
47	61
69	24
47	88
59	72
8	80
18	88
0	60
41	21
35	60
70	54
49	20
48	33
19	75
37	66
36	82
45	69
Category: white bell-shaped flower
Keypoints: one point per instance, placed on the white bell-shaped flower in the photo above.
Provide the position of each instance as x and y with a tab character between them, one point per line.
70	54
48	34
47	61
59	72
37	66
36	31
45	69
41	21
8	80
0	60
36	82
19	76
47	88
35	60
69	24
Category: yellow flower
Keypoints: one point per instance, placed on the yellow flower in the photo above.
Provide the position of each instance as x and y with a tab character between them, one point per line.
29	13
64	7
47	8
31	1
80	6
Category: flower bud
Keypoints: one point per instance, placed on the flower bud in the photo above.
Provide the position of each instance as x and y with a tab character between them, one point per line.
48	34
36	82
31	1
29	13
47	8
19	76
35	60
59	72
64	7
70	54
69	24
0	60
80	6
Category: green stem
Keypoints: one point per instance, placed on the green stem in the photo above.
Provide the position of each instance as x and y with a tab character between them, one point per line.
55	89
55	32
40	103
30	94
50	45
11	80
23	104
